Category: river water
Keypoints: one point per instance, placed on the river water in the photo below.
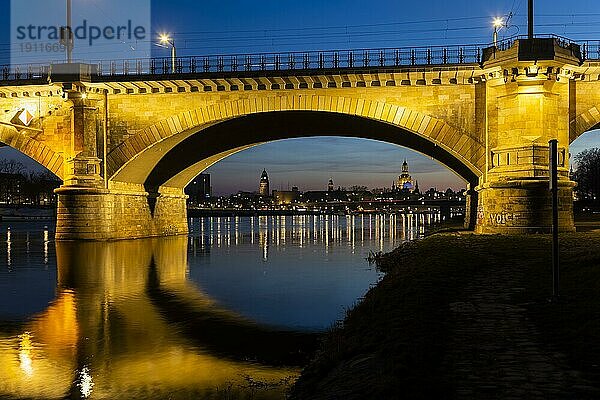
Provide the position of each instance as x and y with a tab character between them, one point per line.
231	311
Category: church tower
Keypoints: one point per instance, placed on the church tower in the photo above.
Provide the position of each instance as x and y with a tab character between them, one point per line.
330	185
405	181
263	188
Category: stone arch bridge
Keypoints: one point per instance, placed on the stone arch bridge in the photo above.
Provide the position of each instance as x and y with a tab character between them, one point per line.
127	137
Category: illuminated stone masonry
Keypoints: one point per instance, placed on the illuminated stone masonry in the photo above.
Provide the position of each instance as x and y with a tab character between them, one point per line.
125	146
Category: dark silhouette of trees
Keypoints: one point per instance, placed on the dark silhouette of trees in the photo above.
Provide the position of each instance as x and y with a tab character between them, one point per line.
20	186
587	176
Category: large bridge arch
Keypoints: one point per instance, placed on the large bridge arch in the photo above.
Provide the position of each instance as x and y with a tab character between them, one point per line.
216	142
134	160
33	148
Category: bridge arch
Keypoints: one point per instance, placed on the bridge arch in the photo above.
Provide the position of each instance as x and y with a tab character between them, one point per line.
585	122
197	152
140	158
34	149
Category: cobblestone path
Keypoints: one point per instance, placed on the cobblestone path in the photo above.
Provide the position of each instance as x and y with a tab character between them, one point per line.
494	351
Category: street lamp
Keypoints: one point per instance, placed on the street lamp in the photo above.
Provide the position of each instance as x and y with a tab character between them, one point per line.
66	34
498	24
167	40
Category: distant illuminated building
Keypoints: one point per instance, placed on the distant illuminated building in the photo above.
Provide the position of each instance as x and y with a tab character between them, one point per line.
405	181
263	188
282	197
199	189
330	185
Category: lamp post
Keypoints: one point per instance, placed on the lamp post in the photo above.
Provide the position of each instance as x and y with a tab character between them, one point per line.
66	34
167	40
498	24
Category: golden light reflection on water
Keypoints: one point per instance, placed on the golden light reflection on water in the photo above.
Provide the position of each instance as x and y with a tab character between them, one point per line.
104	337
115	328
25	347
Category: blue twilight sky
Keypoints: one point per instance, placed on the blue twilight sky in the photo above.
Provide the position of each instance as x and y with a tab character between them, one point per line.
226	27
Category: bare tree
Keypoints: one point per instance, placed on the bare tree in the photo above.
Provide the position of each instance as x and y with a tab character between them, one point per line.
587	175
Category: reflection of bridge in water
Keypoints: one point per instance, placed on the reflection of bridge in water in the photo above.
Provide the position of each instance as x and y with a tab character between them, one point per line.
122	324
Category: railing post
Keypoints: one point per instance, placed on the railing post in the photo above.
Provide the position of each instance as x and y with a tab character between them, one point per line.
248	64
412	57
445	56
291	61
461	55
277	62
206	64
350	60
381	58
366	59
396	57
193	65
336	60
321	61
428	56
306	61
234	64
263	63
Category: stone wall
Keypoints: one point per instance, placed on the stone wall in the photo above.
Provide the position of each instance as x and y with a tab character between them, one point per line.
523	206
100	214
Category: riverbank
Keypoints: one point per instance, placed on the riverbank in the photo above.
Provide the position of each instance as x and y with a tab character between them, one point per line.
466	316
18	213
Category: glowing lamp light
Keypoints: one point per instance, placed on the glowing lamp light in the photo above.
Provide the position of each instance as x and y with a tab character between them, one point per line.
165	38
498	22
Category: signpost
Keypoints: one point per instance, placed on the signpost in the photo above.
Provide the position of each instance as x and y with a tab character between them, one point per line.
553	164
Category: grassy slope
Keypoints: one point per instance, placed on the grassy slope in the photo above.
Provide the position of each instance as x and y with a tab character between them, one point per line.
393	342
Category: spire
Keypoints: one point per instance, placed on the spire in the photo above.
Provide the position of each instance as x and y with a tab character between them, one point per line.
263	188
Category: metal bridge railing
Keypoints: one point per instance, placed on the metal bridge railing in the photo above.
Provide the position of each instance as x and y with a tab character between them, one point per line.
291	61
590	49
313	60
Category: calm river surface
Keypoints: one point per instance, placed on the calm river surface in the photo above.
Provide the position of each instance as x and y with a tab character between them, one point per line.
230	311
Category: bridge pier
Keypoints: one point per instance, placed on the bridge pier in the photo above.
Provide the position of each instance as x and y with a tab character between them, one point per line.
523	206
527	103
88	213
92	208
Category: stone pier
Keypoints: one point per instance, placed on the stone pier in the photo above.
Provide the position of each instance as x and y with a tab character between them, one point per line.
111	214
